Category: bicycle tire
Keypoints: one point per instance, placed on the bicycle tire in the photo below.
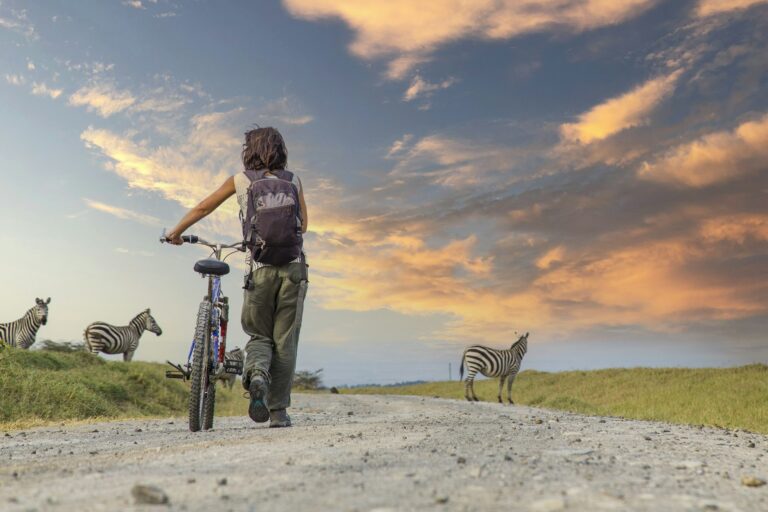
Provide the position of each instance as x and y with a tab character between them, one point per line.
199	366
209	403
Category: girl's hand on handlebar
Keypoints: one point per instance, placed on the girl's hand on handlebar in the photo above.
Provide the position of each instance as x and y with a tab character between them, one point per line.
173	238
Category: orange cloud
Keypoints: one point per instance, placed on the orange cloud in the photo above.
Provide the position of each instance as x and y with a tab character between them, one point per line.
710	7
713	158
407	33
104	99
736	228
552	256
616	114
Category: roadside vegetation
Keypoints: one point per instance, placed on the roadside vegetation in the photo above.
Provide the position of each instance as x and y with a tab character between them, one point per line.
64	383
722	397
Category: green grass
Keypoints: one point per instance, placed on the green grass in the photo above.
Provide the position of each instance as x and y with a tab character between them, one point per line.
40	387
722	397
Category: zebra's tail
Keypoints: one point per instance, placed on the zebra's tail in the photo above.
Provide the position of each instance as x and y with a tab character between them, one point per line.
461	367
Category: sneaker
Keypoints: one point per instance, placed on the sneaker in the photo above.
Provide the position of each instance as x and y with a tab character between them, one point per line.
257	410
279	418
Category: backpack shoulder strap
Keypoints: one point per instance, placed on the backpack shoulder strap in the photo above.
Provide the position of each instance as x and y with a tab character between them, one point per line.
283	174
255	175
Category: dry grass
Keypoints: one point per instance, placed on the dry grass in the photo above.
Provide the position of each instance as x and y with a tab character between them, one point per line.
42	387
723	397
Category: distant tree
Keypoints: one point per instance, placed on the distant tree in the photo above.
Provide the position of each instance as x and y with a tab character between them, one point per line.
61	346
305	379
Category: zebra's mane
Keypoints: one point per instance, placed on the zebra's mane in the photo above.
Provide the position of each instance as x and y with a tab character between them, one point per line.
519	341
139	321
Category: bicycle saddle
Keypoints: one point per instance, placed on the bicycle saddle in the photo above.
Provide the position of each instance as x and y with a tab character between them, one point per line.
212	267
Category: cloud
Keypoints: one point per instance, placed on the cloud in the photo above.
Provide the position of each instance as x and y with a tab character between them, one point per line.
713	158
616	114
17	21
132	252
408	35
451	162
710	7
137	4
122	213
286	110
40	89
420	87
15	79
103	98
399	145
551	257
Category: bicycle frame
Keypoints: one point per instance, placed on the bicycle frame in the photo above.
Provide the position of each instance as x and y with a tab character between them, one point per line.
219	311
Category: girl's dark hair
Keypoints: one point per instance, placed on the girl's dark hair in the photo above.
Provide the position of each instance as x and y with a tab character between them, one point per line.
264	148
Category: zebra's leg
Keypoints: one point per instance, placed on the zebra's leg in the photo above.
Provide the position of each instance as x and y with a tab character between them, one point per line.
501	387
467	383
469	386
128	356
510	380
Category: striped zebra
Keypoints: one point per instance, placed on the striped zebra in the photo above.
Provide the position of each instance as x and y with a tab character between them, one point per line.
229	378
110	339
23	331
503	364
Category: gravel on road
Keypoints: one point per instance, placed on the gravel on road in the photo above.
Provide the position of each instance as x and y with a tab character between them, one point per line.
386	453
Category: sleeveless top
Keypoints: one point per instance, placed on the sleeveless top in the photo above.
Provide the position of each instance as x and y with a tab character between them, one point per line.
241	191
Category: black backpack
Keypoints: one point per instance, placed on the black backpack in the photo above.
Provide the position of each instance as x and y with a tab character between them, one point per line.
272	224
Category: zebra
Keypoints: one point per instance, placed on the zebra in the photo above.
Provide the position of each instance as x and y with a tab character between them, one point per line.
228	379
23	331
493	363
110	339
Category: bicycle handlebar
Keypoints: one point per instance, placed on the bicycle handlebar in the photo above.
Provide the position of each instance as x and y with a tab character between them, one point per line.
194	239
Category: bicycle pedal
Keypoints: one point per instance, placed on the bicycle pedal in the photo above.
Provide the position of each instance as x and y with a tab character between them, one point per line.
170	374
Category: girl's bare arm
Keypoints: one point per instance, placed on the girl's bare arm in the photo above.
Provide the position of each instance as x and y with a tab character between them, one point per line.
205	207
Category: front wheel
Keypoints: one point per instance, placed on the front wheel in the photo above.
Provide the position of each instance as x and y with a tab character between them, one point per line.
199	378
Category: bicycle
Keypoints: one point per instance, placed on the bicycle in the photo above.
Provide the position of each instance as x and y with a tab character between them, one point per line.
206	354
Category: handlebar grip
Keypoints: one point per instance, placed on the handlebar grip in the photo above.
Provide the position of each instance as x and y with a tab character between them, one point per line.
190	239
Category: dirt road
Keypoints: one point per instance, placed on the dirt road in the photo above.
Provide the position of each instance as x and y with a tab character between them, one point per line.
387	453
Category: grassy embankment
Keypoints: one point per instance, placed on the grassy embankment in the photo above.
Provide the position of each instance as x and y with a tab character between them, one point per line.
723	397
39	387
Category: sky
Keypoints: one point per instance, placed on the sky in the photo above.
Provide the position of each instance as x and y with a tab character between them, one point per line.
590	171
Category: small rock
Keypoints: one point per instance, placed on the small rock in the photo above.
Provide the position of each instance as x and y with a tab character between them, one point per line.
191	480
442	500
350	413
222	481
752	481
149	495
647	438
138	430
751	444
539	421
548	505
689	464
461	460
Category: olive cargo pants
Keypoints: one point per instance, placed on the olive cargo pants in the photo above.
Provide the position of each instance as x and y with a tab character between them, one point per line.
272	309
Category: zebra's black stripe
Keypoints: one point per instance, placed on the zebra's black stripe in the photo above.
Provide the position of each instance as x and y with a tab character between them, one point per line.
111	339
493	363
